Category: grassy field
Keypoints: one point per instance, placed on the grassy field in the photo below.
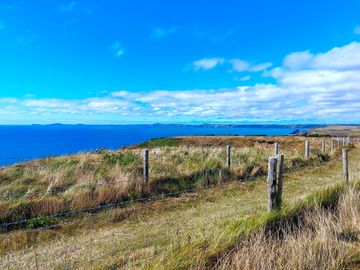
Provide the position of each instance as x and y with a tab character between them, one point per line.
335	131
190	230
72	183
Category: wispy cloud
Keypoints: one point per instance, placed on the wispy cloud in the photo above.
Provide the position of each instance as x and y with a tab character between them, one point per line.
357	30
68	7
242	79
2	25
8	7
239	65
214	35
26	40
159	33
323	87
207	63
117	49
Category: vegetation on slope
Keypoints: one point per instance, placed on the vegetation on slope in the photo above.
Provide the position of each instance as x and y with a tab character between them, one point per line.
319	232
133	236
72	183
325	236
334	131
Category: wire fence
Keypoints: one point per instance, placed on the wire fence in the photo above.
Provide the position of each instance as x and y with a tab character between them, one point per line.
99	207
129	259
68	214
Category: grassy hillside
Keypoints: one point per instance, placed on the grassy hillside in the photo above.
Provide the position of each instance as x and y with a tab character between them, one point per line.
191	229
324	235
72	183
334	131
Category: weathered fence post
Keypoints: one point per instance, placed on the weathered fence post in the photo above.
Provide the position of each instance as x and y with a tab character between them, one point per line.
228	156
307	149
280	176
332	146
146	165
271	183
345	156
276	149
323	147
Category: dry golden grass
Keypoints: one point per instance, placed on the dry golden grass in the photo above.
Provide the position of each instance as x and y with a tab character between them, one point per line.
324	239
164	230
71	183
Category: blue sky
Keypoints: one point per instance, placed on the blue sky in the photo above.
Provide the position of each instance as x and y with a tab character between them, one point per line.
121	62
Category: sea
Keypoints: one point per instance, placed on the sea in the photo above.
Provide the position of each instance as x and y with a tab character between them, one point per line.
26	142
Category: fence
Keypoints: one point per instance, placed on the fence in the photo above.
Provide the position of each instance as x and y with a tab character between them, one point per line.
276	170
275	178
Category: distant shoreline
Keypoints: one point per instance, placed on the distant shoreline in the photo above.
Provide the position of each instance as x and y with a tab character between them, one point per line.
205	125
332	131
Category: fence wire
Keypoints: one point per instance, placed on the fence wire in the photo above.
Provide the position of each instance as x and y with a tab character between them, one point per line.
65	255
8	225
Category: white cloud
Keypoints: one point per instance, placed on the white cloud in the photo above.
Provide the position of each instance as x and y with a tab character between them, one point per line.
338	58
357	30
159	33
261	67
207	63
239	65
117	49
47	103
8	100
308	86
297	60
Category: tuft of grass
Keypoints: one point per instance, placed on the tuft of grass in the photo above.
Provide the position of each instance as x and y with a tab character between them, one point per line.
321	238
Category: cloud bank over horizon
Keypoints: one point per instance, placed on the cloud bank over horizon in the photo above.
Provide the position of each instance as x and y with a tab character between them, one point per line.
308	87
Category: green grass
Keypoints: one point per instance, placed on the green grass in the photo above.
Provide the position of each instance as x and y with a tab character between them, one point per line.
53	185
204	251
173	227
160	142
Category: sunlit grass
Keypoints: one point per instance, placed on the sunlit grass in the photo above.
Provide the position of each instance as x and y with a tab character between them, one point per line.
133	236
57	184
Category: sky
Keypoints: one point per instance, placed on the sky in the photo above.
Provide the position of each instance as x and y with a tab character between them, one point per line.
139	61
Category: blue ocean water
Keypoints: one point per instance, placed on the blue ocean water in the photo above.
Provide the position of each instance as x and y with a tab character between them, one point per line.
21	143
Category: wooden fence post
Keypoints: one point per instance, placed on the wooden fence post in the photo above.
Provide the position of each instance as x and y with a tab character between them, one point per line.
323	147
276	149
228	156
307	149
332	146
345	156
271	183
146	165
280	176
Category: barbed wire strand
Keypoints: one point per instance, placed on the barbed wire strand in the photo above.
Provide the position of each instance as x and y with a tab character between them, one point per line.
123	203
188	227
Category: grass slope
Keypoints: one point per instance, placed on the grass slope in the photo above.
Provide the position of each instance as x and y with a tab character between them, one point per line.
72	183
175	233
